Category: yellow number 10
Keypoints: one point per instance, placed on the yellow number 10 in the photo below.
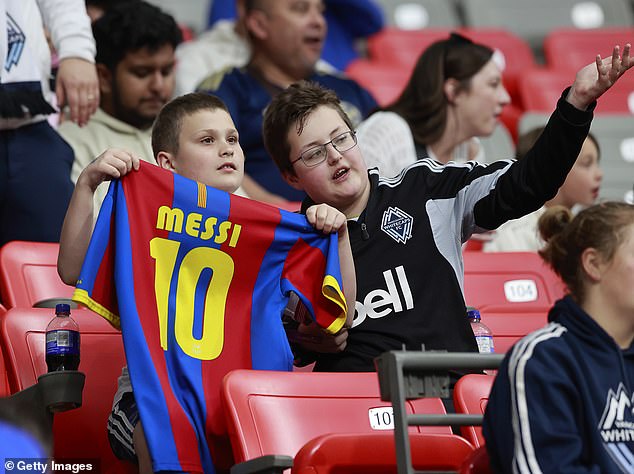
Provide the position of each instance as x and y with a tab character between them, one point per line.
164	252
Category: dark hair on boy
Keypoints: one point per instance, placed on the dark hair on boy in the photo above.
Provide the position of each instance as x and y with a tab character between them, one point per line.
169	121
601	227
131	26
423	103
290	108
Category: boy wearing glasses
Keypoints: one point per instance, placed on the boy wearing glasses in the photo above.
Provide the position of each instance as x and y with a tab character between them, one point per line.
407	232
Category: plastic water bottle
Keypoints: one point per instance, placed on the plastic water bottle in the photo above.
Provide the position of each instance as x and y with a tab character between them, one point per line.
483	335
62	341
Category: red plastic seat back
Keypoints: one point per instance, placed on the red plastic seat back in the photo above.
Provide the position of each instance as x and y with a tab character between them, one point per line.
570	49
271	412
509	282
470	396
540	90
79	433
28	274
402	47
477	462
384	81
375	453
509	327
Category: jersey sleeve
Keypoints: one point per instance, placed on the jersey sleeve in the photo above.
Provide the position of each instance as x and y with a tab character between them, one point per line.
95	288
325	300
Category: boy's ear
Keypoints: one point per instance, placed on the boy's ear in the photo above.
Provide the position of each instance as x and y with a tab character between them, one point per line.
105	79
292	180
165	160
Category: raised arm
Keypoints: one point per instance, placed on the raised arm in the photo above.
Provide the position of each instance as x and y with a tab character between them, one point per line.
78	223
596	78
528	183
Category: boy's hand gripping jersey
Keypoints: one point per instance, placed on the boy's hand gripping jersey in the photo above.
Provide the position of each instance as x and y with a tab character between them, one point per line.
198	279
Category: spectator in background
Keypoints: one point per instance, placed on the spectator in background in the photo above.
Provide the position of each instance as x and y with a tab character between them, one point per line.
35	162
406	233
562	399
581	188
286	44
454	95
224	46
135	64
349	21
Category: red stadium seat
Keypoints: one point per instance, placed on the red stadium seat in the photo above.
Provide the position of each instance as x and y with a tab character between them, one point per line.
509	282
470	396
79	433
513	300
477	462
509	327
384	81
375	453
540	90
403	47
28	274
570	49
310	405
4	381
513	291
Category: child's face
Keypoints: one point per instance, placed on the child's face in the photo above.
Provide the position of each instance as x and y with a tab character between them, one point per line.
341	180
209	150
584	179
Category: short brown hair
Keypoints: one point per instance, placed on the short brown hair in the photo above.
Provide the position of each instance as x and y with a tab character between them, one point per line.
289	108
601	227
167	125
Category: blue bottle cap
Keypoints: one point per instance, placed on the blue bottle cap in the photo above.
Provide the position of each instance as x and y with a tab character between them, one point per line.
62	308
473	313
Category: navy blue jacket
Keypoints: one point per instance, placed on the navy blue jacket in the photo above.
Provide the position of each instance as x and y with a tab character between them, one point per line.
562	401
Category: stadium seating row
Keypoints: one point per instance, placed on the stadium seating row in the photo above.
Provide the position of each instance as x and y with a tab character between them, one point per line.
525	19
513	291
392	54
514	297
296	416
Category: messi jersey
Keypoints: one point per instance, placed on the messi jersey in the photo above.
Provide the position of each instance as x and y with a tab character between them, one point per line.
197	279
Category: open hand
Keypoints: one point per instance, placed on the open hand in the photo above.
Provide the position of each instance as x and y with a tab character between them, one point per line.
596	78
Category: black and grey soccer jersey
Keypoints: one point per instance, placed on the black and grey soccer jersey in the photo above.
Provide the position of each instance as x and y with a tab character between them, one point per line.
407	244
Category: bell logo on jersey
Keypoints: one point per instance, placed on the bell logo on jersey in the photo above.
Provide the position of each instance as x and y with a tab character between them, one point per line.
380	303
397	224
617	427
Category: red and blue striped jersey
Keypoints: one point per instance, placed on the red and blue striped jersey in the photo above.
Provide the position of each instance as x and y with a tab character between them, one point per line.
197	279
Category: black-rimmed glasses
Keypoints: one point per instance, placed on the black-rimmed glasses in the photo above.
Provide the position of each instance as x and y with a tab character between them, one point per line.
318	154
